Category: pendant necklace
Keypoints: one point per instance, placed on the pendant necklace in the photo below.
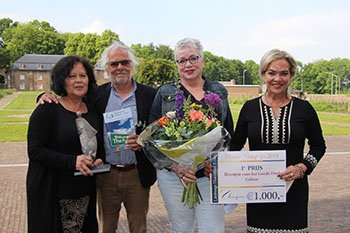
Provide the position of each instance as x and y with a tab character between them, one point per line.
269	104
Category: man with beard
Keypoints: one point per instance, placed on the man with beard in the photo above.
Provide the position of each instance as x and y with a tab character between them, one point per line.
131	174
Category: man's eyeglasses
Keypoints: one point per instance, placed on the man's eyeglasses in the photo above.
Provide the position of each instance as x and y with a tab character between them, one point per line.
192	60
125	62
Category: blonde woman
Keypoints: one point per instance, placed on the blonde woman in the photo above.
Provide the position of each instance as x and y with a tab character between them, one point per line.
279	121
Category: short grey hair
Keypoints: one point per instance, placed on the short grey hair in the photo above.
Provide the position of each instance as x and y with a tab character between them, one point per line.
276	54
115	45
189	42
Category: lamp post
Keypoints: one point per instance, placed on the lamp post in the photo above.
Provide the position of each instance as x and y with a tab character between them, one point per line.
332	86
244	76
300	70
331	82
336	82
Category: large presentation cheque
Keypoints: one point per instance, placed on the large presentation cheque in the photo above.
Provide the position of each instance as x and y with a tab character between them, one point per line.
248	177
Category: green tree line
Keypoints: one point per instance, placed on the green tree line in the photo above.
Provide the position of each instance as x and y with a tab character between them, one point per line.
156	62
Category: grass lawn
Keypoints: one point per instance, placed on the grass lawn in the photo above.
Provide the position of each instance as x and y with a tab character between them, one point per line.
13	132
236	107
338	118
14	116
333	130
328	129
26	100
14	123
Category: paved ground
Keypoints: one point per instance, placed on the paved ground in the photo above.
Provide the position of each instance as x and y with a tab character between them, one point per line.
329	207
8	98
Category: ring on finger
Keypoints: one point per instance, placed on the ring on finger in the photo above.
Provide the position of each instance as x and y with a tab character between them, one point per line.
291	174
182	176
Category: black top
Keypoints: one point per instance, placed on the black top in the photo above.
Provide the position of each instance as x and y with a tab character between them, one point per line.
296	122
53	146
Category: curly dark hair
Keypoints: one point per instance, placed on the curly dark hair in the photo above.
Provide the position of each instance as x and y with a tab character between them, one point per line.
62	70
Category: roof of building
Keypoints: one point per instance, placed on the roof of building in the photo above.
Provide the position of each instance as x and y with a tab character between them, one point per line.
36	62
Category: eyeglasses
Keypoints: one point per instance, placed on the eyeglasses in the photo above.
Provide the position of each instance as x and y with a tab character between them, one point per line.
192	60
124	62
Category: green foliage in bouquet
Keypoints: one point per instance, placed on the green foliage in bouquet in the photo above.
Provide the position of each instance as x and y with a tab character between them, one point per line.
188	121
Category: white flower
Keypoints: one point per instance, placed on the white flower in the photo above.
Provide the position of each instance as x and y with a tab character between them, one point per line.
171	115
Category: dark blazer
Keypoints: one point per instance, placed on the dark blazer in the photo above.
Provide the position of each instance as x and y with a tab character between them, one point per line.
144	99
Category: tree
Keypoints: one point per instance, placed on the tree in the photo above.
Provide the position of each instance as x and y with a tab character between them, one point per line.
156	71
165	52
72	43
144	51
150	51
252	73
42	26
316	78
104	41
50	43
89	45
5	60
6	23
221	69
33	38
20	40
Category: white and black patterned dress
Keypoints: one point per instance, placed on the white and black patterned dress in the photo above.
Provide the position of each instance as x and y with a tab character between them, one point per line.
294	123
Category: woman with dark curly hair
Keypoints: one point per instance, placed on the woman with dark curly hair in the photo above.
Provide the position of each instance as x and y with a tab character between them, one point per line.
59	201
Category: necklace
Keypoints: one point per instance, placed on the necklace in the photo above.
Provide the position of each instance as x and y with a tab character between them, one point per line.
269	104
78	107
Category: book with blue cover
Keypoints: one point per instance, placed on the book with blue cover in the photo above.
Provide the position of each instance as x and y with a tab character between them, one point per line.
119	124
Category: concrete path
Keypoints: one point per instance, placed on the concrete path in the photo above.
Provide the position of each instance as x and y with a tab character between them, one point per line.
4	101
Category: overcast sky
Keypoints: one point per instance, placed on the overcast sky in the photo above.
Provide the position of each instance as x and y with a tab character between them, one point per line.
245	29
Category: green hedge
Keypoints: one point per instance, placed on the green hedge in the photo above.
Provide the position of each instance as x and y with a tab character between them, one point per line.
4	92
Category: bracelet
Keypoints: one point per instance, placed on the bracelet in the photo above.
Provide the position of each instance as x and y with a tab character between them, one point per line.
301	169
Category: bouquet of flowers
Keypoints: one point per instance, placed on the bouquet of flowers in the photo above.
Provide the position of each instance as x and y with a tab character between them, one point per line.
185	138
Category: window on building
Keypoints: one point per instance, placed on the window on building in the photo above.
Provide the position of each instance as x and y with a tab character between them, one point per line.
22	86
21	66
40	77
40	86
21	77
40	66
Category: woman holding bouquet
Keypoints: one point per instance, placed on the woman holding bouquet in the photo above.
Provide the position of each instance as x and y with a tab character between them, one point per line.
190	62
279	121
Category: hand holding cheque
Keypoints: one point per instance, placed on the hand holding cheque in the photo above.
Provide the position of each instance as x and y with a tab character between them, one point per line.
248	177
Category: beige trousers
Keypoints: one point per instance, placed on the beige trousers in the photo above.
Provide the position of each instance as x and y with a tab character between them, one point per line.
117	187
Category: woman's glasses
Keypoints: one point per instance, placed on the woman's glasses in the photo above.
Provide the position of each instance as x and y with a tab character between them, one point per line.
192	60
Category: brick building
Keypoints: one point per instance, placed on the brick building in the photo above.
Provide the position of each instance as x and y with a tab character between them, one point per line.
32	72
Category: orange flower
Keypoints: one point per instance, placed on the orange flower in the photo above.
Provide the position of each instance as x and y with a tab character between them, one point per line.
196	115
163	121
209	123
